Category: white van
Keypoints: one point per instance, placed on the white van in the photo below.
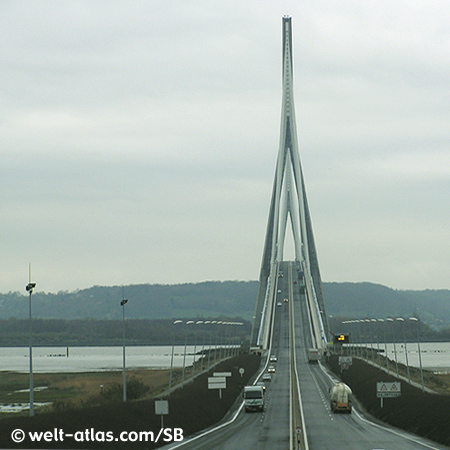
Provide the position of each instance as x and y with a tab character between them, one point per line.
253	398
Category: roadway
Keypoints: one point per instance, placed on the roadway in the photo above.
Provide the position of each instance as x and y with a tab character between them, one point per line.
325	430
268	430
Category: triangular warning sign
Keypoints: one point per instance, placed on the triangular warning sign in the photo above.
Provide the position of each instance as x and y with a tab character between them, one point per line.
383	388
394	387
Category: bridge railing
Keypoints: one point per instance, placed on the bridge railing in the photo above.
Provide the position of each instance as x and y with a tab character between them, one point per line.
267	311
316	316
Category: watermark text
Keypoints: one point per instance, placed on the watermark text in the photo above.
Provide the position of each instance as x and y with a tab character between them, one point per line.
91	435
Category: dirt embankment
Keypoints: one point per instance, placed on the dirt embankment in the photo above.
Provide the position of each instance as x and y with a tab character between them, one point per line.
192	409
418	412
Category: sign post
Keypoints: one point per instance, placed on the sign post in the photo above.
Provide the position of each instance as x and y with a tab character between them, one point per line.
345	362
162	409
217	383
222	374
388	389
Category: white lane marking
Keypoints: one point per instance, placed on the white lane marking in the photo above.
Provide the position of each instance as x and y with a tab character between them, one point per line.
210	431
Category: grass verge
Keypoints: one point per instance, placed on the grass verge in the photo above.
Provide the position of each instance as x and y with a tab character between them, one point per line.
192	409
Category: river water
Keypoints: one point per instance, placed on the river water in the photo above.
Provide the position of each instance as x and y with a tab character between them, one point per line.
93	359
435	355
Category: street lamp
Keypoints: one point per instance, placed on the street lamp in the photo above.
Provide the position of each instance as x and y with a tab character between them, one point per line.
371	341
350	332
206	322
238	341
358	351
218	339
171	359
199	322
385	344
211	342
414	319
122	304
400	319
29	288
184	354
389	319
375	321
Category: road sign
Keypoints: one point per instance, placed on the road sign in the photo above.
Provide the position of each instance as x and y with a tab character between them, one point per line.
217	383
345	362
242	371
222	374
341	339
388	389
345	359
161	407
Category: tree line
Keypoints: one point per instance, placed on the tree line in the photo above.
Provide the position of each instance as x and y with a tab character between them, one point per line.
62	332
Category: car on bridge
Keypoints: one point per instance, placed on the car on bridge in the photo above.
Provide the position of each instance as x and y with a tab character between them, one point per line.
271	369
267	377
273	358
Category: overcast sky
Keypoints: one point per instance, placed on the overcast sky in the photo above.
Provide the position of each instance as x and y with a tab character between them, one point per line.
138	139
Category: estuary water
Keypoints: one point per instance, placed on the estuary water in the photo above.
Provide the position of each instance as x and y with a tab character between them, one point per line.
93	359
435	355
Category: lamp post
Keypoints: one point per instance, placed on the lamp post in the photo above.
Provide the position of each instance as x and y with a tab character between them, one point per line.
199	322
400	319
219	340
357	332
171	359
123	302
238	340
385	344
184	354
211	337
225	339
207	322
351	349
29	288
355	337
414	319
346	322
389	319
375	321
371	340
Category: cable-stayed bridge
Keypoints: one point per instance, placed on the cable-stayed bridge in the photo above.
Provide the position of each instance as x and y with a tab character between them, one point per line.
289	319
289	202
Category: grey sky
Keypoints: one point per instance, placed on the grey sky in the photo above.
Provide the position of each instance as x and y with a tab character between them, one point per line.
138	139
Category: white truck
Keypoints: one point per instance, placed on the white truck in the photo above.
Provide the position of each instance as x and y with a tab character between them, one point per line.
254	398
313	355
341	398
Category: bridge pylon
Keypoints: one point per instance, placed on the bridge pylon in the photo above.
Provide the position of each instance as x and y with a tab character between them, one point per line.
288	202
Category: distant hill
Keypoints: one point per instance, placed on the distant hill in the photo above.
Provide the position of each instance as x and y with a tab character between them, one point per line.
369	300
146	301
223	298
